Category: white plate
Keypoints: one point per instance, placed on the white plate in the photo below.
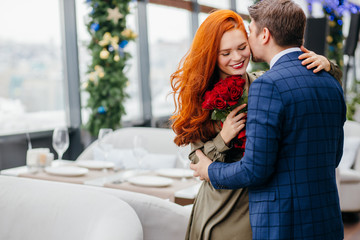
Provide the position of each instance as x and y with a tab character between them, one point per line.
150	181
69	171
94	164
175	172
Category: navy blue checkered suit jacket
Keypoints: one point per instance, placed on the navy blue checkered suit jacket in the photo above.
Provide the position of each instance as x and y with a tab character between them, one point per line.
294	143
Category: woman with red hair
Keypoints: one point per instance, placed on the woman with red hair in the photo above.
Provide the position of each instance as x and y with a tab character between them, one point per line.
219	49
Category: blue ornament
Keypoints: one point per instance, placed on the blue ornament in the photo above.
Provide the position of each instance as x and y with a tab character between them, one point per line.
110	48
340	22
101	110
95	27
327	9
123	43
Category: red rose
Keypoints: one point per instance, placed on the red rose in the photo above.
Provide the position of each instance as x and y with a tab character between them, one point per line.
220	103
222	91
240	82
235	92
209	100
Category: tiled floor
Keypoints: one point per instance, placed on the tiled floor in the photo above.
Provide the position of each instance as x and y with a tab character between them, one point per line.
351	226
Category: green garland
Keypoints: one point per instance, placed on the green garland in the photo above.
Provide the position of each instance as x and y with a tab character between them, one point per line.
106	79
335	39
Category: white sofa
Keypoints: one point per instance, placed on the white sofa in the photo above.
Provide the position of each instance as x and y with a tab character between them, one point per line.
44	210
349	169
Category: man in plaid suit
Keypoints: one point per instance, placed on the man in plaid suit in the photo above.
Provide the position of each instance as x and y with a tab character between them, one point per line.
294	135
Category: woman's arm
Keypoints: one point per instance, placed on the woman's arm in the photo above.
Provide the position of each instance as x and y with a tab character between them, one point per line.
311	60
319	62
215	149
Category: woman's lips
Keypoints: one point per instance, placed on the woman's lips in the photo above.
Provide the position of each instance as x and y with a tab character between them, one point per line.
238	66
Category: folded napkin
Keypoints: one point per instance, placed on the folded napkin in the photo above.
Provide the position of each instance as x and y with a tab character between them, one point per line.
124	158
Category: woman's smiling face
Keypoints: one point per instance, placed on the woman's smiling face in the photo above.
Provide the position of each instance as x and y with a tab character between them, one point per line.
234	53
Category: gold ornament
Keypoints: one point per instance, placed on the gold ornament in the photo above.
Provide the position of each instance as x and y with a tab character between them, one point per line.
114	14
108	39
104	54
128	33
339	45
329	39
99	71
116	58
92	76
332	23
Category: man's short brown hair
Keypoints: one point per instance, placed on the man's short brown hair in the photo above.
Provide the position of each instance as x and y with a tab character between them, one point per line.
285	20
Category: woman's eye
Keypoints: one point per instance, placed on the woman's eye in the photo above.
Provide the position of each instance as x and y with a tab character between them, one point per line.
225	54
242	48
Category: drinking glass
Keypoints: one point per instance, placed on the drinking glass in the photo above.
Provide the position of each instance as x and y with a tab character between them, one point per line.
139	150
104	145
60	141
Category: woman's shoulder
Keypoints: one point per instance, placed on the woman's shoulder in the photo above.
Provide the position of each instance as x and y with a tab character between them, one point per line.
254	75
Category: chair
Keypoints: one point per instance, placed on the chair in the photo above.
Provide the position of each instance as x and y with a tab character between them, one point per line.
45	210
156	141
349	169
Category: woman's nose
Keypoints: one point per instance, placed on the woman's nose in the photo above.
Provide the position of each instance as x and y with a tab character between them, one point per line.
236	55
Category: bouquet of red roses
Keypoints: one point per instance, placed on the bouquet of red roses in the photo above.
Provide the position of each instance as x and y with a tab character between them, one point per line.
226	95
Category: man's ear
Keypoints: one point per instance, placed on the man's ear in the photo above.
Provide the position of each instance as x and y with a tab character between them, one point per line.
266	35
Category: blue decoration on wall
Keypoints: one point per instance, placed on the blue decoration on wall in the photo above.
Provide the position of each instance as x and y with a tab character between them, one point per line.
101	110
123	43
336	7
95	27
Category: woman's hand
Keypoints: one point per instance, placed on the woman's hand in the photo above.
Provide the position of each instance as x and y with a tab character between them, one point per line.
312	60
233	124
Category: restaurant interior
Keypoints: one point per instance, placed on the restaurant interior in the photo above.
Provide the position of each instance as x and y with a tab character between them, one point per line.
85	108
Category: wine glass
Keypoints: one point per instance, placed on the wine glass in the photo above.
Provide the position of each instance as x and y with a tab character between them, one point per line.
104	145
183	155
139	150
60	141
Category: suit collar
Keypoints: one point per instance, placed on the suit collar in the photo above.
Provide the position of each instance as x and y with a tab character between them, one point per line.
282	53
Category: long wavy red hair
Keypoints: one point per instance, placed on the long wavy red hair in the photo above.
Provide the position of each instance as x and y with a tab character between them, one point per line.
198	72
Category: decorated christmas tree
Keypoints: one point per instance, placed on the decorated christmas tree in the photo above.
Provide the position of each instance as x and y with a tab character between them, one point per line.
106	81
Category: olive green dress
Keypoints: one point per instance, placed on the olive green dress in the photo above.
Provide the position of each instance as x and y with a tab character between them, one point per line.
220	214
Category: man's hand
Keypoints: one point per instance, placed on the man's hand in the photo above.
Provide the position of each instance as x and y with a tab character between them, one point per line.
201	168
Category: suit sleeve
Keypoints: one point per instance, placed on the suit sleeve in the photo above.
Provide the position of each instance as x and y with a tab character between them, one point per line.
265	114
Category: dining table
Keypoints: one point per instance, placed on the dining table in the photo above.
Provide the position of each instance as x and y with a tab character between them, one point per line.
163	183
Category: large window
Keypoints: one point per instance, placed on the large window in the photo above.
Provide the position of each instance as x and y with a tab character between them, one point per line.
221	4
31	67
169	40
